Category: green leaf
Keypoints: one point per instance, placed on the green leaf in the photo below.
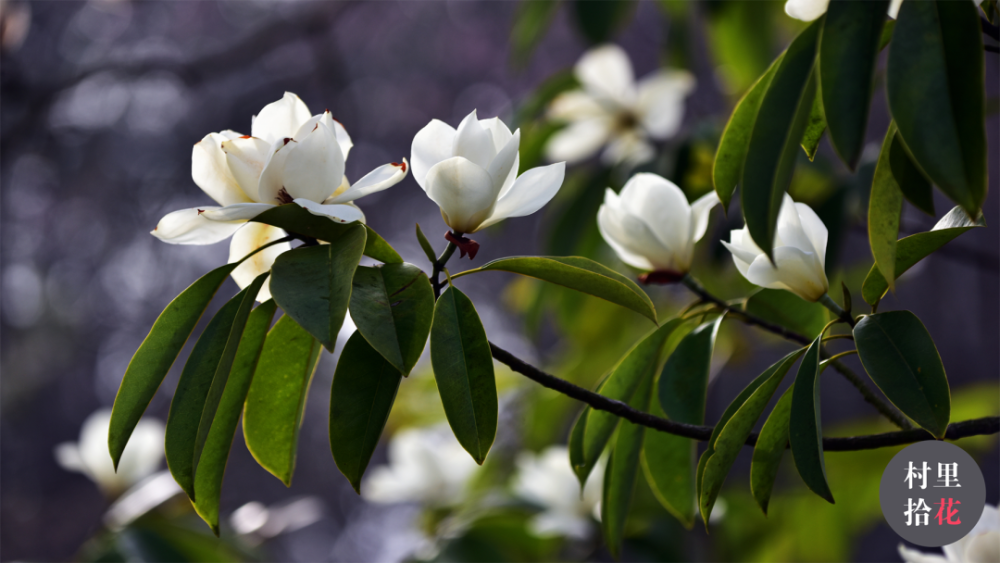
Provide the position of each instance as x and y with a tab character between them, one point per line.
277	397
815	128
914	248
364	388
212	464
937	97
730	440
295	219
621	473
157	353
806	434
885	205
899	355
426	245
786	309
313	284
777	132
771	444
581	274
577	460
667	461
728	166
197	396
392	307
914	185
463	369
598	20
376	247
531	20
848	52
684	379
598	426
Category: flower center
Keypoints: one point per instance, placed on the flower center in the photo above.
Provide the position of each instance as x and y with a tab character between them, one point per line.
283	196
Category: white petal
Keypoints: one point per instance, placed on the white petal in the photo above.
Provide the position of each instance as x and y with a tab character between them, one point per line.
210	171
530	192
339	212
432	144
251	237
700	210
794	270
502	168
789	230
614	234
236	212
662	206
894	8
606	71
464	191
246	157
501	133
189	226
272	177
633	240
629	148
326	118
557	523
982	548
806	10
661	101
574	106
915	556
579	140
68	457
280	119
315	167
741	258
814	229
474	142
381	178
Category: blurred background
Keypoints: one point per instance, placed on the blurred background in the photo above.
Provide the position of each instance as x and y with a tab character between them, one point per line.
101	103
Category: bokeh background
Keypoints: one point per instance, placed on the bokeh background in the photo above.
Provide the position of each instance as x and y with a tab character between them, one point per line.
102	101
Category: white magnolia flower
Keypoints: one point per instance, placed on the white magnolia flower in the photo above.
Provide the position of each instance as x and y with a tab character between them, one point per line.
613	110
981	545
547	480
809	10
471	173
426	465
90	456
799	253
652	226
289	156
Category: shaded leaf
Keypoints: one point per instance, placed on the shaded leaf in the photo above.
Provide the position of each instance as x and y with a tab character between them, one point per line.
376	247
786	309
621	473
815	128
668	463
806	430
771	444
425	245
683	382
294	219
885	205
914	185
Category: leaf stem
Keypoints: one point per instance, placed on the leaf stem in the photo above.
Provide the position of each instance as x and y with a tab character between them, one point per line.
439	265
830	304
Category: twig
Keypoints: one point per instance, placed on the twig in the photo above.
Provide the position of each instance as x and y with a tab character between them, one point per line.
439	267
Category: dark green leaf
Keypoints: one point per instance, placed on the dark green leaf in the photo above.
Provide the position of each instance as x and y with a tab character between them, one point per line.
212	464
771	444
313	284
848	51
914	248
377	248
936	90
598	20
885	206
915	187
581	274
667	461
392	307
684	380
815	128
277	397
463	368
777	132
899	355
806	434
531	20
786	309
295	219
848	306
728	166
622	470
425	245
364	388
577	460
202	382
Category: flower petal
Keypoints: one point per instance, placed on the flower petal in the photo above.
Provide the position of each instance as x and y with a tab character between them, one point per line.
917	556
432	144
236	212
464	191
814	229
315	168
339	212
502	168
797	271
251	237
210	171
272	177
246	157
502	136
662	206
280	119
700	210
474	142
631	237
381	178
190	226
579	140
326	118
629	148
789	230
660	103
606	72
530	192
608	223
806	10
574	106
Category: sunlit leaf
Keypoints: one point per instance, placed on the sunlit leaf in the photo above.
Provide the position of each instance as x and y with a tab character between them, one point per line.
806	429
425	245
815	128
771	444
885	205
376	247
786	309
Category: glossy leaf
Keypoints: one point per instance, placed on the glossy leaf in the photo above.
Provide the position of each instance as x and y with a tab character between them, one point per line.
912	182
815	128
463	369
621	473
885	206
211	465
313	284
771	444
364	388
936	88
684	379
392	307
581	274
899	355
914	248
425	245
806	430
728	166
777	132
786	309
376	247
848	51
277	398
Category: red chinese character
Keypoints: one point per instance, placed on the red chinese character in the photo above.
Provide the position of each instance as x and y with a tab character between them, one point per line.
945	513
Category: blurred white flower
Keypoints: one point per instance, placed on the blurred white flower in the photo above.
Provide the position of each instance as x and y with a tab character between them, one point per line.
799	253
546	479
426	465
90	456
289	157
471	173
981	545
809	10
258	522
652	227
613	110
